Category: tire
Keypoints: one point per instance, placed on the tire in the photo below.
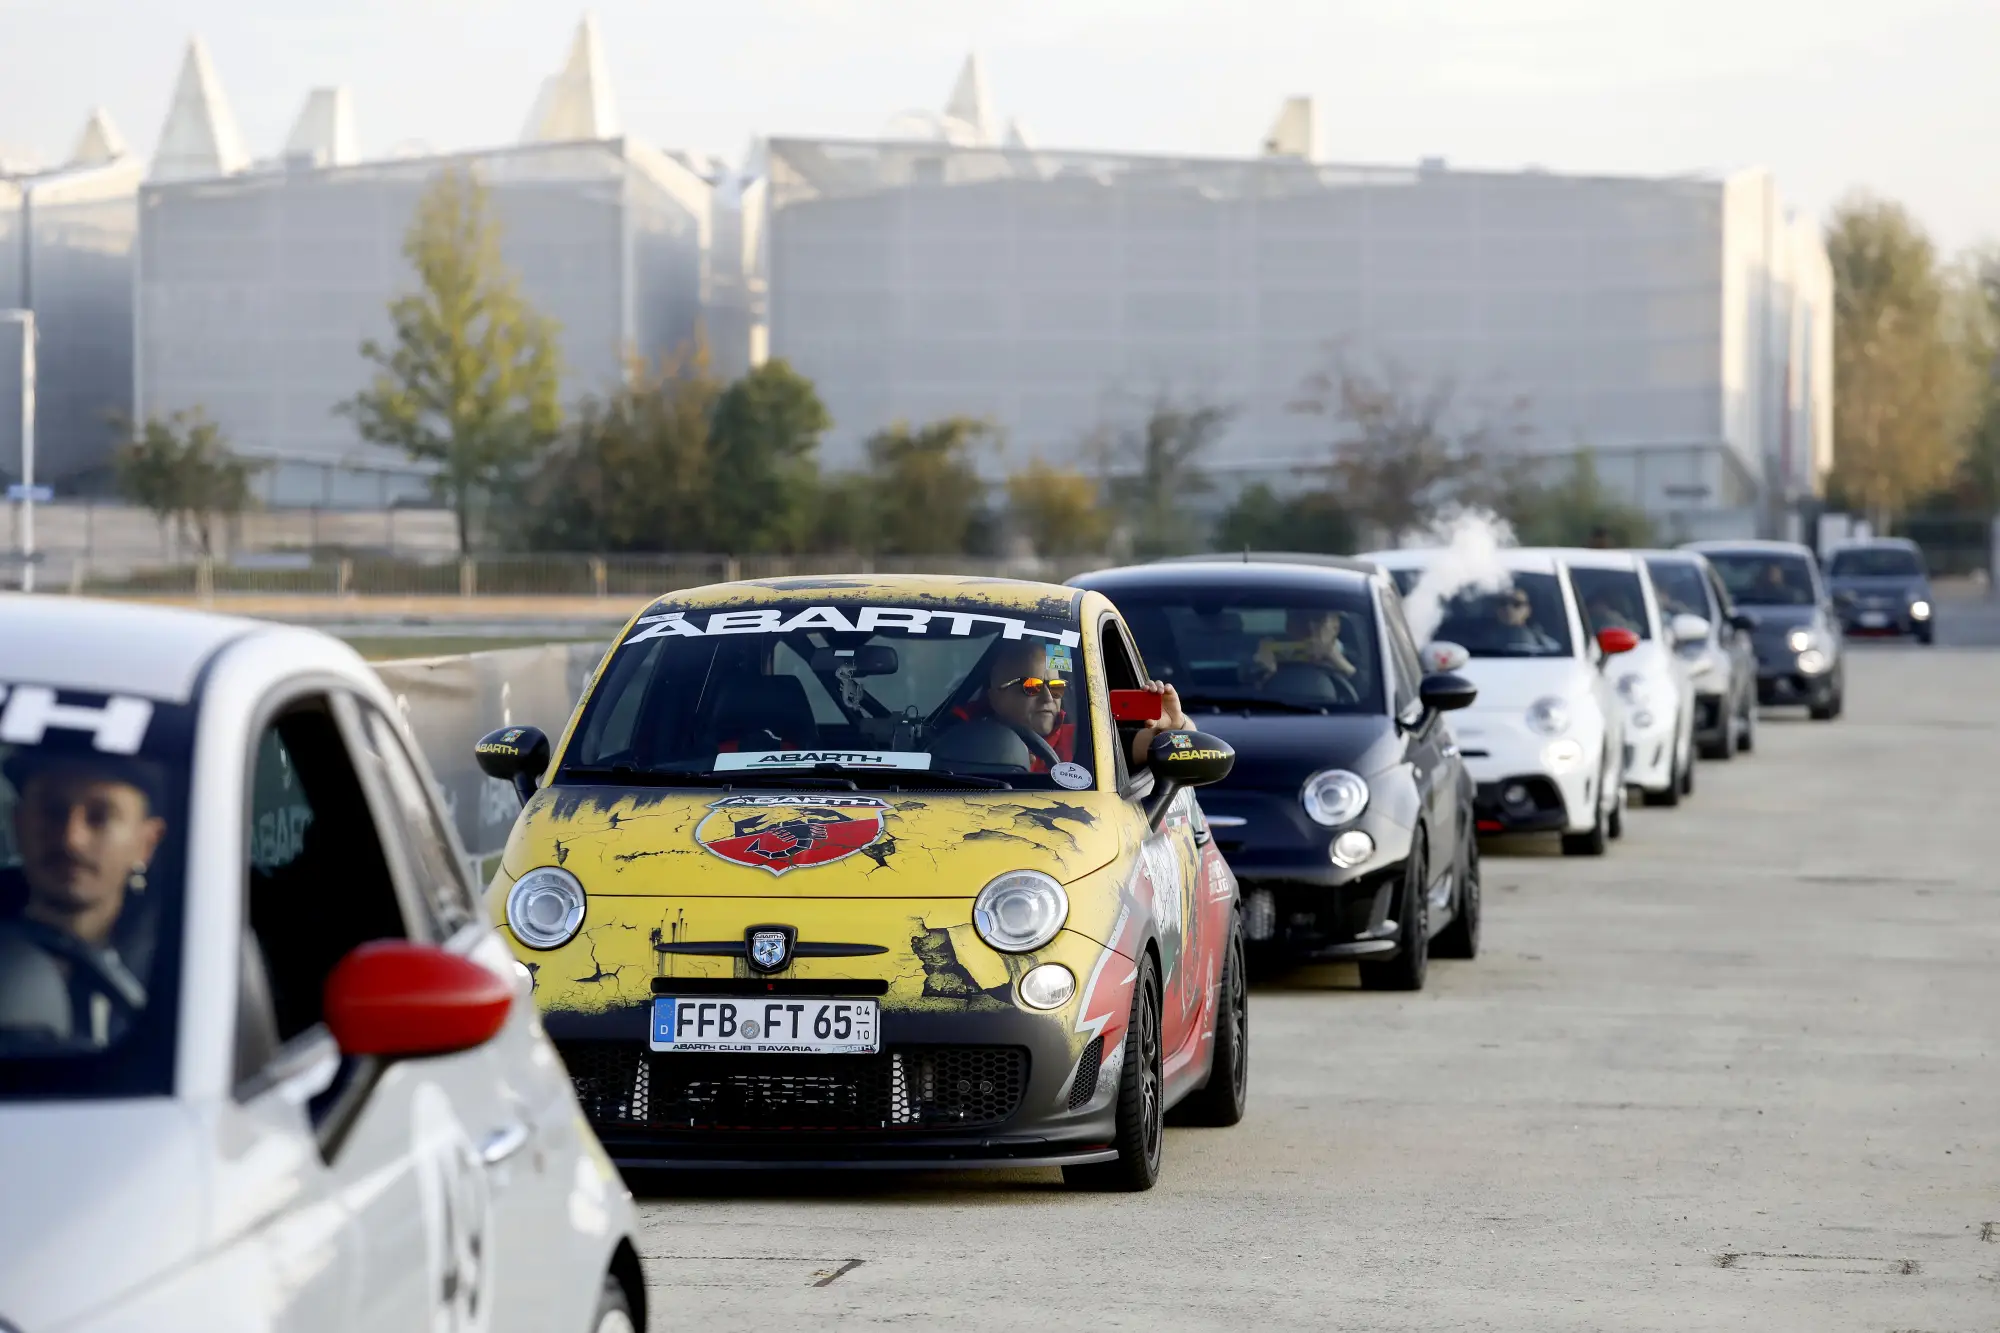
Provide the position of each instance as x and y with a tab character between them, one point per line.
1614	823
614	1312
1460	939
1927	636
1746	735
1671	796
1687	777
1140	1135
1586	844
1222	1101
1731	740
1407	970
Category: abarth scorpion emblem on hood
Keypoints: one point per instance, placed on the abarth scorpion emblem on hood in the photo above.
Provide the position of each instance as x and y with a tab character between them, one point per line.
769	949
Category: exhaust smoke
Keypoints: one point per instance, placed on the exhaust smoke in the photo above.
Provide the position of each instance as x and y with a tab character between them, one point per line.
1468	542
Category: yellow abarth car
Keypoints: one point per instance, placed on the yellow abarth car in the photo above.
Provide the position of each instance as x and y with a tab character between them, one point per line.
896	872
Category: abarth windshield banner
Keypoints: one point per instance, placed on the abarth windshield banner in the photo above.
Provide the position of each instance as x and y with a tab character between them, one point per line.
863	620
753	761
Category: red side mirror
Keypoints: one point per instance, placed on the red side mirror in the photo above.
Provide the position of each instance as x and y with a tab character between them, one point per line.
394	998
1615	641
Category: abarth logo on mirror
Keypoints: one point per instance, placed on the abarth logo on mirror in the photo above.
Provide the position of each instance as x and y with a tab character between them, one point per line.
768	949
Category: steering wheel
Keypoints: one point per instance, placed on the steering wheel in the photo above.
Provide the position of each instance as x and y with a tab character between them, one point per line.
1038	744
120	987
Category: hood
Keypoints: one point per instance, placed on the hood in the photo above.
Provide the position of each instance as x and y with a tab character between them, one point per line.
1901	585
1278	751
1515	682
768	843
1773	618
117	1192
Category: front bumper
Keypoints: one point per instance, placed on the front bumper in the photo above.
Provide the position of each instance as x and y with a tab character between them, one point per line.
1790	687
1348	922
947	1090
1531	803
1649	759
1896	621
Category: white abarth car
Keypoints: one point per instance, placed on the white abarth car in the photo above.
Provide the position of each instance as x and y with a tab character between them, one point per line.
1615	590
1545	739
263	1063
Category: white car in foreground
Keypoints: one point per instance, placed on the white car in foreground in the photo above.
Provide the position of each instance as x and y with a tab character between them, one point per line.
1615	590
264	1065
1545	740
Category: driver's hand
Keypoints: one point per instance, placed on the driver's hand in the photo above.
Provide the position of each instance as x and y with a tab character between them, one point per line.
1171	716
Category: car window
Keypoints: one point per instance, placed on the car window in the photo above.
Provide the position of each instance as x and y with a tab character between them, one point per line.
1681	587
884	691
1875	562
1252	645
430	855
1527	618
1402	653
93	850
1611	599
1760	578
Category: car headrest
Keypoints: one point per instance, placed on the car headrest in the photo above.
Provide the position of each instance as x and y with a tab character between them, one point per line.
765	713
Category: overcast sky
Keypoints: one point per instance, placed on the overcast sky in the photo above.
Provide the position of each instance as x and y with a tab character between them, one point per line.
1900	96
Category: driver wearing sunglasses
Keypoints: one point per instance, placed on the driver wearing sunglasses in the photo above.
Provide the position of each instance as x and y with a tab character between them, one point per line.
1022	692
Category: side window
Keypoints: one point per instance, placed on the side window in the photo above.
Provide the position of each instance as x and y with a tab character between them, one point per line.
1717	593
1402	651
431	861
1121	672
318	884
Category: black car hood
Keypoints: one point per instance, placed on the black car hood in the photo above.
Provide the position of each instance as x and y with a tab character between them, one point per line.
1900	586
1771	619
1278	751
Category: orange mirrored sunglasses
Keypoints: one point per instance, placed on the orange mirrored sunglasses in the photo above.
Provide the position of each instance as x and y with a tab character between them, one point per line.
1036	684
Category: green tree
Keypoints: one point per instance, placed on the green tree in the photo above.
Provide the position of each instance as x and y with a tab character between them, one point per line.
1059	510
469	381
766	458
1571	511
1309	521
927	497
181	469
1979	468
1900	385
635	470
1155	469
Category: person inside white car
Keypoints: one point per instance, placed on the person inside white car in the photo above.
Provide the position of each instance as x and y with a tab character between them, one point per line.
1502	624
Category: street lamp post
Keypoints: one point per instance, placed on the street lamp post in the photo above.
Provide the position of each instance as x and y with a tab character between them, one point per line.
26	319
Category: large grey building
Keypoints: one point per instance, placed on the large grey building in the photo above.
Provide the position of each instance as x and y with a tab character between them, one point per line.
66	238
1680	329
258	283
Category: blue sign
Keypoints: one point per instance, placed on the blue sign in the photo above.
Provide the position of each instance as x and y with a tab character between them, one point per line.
18	492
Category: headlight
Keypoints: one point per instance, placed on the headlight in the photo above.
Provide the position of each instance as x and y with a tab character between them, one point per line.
545	908
1562	754
1049	986
1920	609
1351	848
1632	689
1549	716
1799	640
1020	911
1811	662
1334	797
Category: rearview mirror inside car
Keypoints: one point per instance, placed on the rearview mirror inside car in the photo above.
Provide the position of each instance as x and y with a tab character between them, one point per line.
1442	655
518	755
394	998
1190	758
1615	641
874	659
1443	692
1688	628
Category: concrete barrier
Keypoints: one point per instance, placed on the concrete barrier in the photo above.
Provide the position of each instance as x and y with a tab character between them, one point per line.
450	702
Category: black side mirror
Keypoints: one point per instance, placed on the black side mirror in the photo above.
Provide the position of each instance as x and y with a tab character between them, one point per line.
514	754
1742	621
1184	759
1443	692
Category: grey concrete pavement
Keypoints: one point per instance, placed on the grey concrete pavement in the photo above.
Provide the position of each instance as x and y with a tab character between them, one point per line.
1742	1073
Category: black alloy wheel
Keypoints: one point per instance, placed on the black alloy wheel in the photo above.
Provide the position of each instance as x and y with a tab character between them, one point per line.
1141	1118
1407	970
1222	1101
1460	939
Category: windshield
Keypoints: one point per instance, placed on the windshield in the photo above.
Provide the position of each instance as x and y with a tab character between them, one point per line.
889	694
91	849
1611	599
1681	588
1875	562
1525	619
1280	648
1756	578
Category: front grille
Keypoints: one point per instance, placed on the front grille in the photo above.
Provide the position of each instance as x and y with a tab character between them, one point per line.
622	1084
1085	1086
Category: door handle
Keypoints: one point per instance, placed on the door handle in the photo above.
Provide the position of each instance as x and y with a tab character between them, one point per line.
502	1144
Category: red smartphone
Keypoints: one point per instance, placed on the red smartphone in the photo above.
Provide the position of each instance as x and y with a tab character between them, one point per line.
1136	706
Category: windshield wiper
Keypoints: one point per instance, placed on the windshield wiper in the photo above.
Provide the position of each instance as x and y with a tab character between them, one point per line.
920	780
1253	701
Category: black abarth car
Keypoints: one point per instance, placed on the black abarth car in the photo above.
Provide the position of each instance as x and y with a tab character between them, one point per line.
1880	588
1348	817
1793	626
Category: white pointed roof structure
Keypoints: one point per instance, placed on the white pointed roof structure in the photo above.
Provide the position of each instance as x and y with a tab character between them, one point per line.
324	132
1018	137
969	102
99	144
200	137
577	102
1293	133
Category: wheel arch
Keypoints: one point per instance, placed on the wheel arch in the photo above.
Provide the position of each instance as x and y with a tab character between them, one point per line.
631	1278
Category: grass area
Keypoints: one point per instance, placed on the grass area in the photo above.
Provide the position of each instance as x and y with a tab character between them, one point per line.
389	647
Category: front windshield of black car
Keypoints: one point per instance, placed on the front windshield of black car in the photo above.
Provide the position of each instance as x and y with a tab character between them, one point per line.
889	693
1246	646
1758	578
1681	589
1527	618
1875	562
1611	599
93	831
